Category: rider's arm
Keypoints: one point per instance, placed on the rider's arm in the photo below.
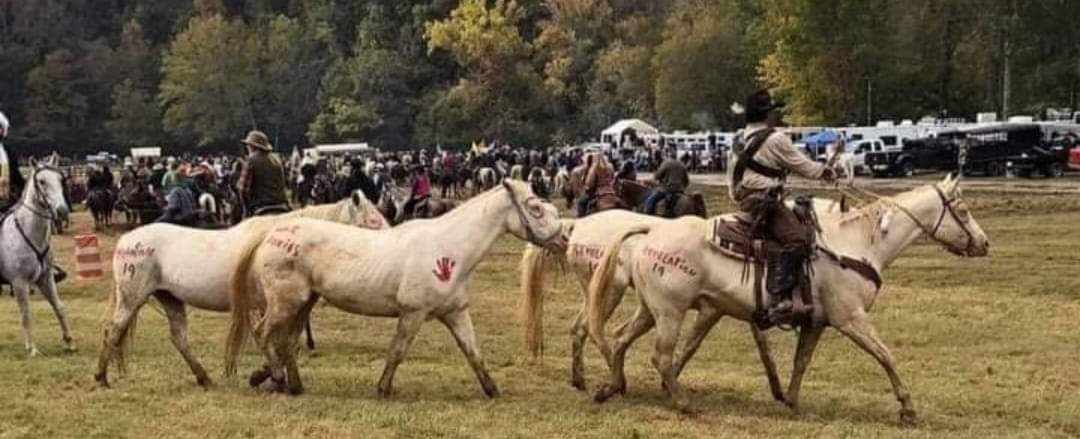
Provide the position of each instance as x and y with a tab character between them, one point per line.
785	154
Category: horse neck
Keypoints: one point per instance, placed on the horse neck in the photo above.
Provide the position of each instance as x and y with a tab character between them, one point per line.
480	221
36	227
326	212
882	247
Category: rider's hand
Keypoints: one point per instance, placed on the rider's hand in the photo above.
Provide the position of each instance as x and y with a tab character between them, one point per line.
829	175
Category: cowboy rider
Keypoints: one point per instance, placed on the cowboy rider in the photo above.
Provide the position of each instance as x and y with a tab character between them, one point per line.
262	179
764	160
673	180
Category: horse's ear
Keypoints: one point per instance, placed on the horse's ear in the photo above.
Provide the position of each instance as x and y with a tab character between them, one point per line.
54	159
885	219
356	199
33	163
506	184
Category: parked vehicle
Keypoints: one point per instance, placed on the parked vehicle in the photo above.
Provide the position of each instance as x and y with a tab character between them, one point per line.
1074	159
991	149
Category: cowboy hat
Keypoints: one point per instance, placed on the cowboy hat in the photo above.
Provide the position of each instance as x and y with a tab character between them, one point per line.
760	104
258	140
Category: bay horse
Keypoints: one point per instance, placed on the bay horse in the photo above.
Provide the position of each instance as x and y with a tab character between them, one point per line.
633	195
414	273
676	266
25	251
183	267
101	203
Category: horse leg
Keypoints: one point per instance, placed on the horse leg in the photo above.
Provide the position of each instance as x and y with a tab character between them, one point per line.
114	333
47	286
639	325
578	334
408	327
302	320
307	332
176	312
865	336
707	317
460	325
804	352
668	324
762	341
22	293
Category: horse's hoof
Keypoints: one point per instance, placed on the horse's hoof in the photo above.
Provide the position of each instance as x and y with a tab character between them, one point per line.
385	392
605	392
102	380
491	391
258	377
204	382
682	404
296	390
33	352
908	418
578	383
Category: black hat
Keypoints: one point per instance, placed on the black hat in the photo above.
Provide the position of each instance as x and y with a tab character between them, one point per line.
759	104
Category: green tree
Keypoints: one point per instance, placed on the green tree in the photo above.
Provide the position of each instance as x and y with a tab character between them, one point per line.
702	66
211	79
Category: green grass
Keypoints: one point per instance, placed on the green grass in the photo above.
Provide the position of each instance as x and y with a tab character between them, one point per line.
989	348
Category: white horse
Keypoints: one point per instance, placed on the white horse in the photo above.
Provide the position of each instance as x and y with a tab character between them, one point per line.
486	178
25	256
675	268
517	172
414	272
181	266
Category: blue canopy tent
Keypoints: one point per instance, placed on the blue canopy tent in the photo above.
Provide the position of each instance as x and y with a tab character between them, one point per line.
817	142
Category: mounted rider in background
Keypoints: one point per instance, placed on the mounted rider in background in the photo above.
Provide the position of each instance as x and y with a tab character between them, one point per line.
262	180
421	191
599	185
673	179
765	157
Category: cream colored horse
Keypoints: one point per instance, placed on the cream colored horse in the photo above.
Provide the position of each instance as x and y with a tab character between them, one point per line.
414	272
180	266
675	269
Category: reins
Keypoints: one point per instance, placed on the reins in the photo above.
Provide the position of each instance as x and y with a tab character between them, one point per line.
947	207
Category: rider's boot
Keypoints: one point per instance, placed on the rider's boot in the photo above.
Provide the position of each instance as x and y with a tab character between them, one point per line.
783	272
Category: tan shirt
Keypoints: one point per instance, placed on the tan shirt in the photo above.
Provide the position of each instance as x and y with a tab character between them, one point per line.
778	153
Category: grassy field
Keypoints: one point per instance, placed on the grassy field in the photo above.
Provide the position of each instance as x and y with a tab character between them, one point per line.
989	348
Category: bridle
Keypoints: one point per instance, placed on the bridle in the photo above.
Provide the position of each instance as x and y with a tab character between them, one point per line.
947	205
36	207
530	234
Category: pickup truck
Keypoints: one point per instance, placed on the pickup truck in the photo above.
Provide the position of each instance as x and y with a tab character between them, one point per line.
991	149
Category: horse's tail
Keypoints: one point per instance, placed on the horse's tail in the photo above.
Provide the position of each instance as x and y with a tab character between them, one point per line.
600	283
533	268
241	304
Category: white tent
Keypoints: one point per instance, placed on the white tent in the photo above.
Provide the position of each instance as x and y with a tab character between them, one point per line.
342	148
145	152
614	134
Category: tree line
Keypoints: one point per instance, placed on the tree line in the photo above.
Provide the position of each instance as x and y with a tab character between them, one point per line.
86	75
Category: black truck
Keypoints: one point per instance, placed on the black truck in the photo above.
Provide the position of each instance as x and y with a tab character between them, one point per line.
991	151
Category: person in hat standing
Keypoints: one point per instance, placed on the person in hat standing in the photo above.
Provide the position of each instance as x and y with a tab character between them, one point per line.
262	179
765	157
11	180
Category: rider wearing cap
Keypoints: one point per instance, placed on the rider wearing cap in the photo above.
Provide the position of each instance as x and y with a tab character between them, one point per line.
673	180
764	159
262	179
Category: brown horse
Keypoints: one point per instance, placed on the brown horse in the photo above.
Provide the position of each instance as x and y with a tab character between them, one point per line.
634	193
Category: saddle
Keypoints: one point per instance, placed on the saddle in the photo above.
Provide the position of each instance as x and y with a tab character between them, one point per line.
735	236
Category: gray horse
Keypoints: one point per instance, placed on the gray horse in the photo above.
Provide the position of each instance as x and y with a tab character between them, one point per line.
25	257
